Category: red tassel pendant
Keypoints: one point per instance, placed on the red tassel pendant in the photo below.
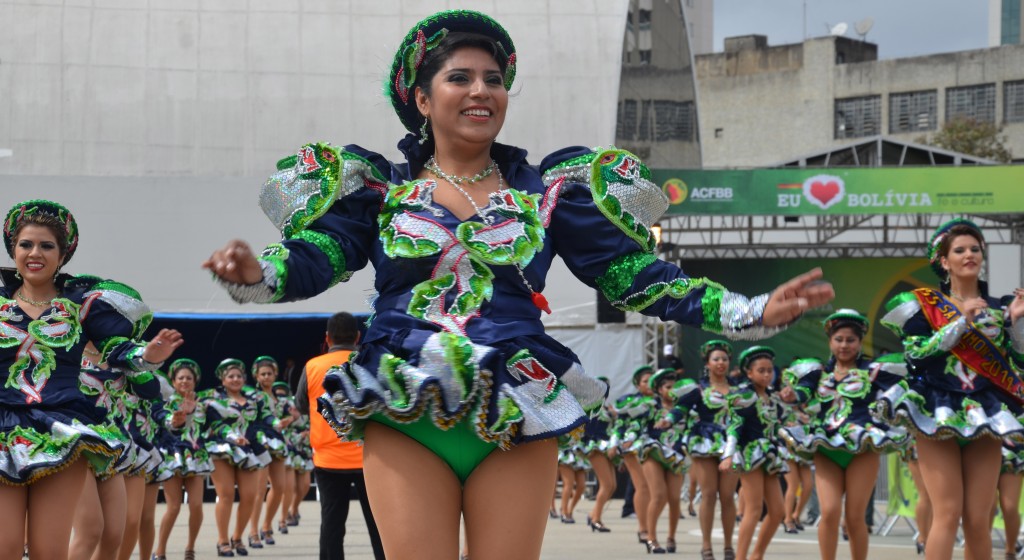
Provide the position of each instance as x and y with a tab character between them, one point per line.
540	302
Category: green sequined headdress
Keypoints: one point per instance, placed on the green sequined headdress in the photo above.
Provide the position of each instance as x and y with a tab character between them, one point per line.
665	373
30	207
710	346
227	364
639	372
186	364
282	385
261	360
933	245
748	356
428	34
846	318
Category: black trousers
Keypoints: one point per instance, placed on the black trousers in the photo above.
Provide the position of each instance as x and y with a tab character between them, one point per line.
335	490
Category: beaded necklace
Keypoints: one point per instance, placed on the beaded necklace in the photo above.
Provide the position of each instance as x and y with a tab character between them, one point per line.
538	299
26	299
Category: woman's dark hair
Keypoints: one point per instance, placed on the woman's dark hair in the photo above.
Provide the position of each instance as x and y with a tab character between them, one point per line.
174	372
440	54
855	326
51	223
957	231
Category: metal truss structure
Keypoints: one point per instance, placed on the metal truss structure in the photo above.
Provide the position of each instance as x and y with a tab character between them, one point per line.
814	237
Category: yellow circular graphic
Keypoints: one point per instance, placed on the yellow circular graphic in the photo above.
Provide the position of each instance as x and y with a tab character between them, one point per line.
675	190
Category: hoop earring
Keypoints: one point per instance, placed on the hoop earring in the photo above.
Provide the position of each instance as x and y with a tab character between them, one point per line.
424	131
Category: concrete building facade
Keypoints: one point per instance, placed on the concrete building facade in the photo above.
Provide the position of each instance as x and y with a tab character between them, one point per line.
761	104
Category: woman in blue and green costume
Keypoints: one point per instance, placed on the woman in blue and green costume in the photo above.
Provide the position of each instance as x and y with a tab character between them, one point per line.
46	423
664	460
186	461
799	476
963	394
598	446
752	448
701	405
1011	477
299	465
462	234
572	471
631	411
269	434
234	415
843	437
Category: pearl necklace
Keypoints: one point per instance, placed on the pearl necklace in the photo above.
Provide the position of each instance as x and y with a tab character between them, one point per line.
457	181
24	298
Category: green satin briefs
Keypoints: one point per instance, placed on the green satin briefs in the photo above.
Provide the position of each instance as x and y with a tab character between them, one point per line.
459	447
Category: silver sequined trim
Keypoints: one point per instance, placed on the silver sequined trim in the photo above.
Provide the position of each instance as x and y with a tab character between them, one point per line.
902	313
1017	335
262	292
952	333
131	308
741	317
803	368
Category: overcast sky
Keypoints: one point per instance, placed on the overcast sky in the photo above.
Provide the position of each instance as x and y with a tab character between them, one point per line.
902	27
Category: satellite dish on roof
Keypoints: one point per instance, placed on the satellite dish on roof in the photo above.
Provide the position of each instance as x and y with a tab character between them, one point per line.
863	26
839	29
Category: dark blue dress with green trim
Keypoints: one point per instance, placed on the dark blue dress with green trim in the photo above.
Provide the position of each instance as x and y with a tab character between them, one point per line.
942	397
752	432
300	453
231	422
663	445
627	429
456	340
185	446
703	412
46	422
840	409
268	431
597	435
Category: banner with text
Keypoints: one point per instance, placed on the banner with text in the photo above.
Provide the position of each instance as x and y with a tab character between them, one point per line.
875	190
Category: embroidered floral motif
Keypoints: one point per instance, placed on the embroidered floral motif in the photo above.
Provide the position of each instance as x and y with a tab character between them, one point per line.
35	359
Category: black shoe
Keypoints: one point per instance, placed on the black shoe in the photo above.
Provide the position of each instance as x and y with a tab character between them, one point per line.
268	536
920	547
238	548
641	537
791	528
692	512
282	528
553	514
568	520
798	526
599	527
224	549
254	542
670	546
654	548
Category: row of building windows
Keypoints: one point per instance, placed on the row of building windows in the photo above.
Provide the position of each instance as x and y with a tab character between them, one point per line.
917	111
655	120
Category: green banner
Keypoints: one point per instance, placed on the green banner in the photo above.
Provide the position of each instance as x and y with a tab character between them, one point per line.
862	284
902	492
874	190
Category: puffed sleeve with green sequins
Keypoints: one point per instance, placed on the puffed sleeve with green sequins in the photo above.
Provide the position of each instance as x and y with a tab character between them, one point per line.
324	200
601	227
114	317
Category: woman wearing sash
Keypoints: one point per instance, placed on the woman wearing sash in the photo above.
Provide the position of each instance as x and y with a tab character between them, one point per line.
963	395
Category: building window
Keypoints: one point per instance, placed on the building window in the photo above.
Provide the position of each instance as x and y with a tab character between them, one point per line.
626	125
673	120
913	111
1010	23
858	116
971	102
1013	101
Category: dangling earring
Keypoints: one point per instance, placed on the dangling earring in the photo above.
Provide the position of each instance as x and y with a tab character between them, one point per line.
424	131
17	275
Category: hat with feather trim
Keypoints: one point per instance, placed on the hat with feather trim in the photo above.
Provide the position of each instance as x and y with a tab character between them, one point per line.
934	259
30	207
754	352
428	34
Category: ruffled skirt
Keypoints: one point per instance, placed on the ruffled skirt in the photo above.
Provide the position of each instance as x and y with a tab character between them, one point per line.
516	390
850	437
764	454
181	459
940	414
246	457
705	439
38	441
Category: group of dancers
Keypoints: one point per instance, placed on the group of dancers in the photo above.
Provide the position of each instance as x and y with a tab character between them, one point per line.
934	404
457	393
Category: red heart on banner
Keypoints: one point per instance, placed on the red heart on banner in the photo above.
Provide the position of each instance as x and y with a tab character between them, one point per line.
824	192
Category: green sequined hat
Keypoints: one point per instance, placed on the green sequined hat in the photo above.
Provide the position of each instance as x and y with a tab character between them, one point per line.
17	213
226	364
281	385
710	346
426	35
748	356
263	359
940	234
639	372
185	363
659	375
846	318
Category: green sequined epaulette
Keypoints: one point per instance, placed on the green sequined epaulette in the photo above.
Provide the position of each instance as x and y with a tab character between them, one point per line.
122	297
622	190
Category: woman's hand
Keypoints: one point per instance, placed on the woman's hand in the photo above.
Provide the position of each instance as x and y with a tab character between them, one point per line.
725	465
791	299
285	422
188	403
973	307
235	263
178	418
242	441
662	424
162	346
1017	305
787	395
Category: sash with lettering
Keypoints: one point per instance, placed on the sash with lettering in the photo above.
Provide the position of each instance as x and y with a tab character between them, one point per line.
975	350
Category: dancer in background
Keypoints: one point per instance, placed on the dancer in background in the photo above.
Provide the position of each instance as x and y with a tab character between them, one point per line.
799	477
923	508
1010	477
597	446
50	428
237	456
152	413
663	459
702	406
965	350
752	449
186	462
268	434
299	463
628	429
456	364
572	471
